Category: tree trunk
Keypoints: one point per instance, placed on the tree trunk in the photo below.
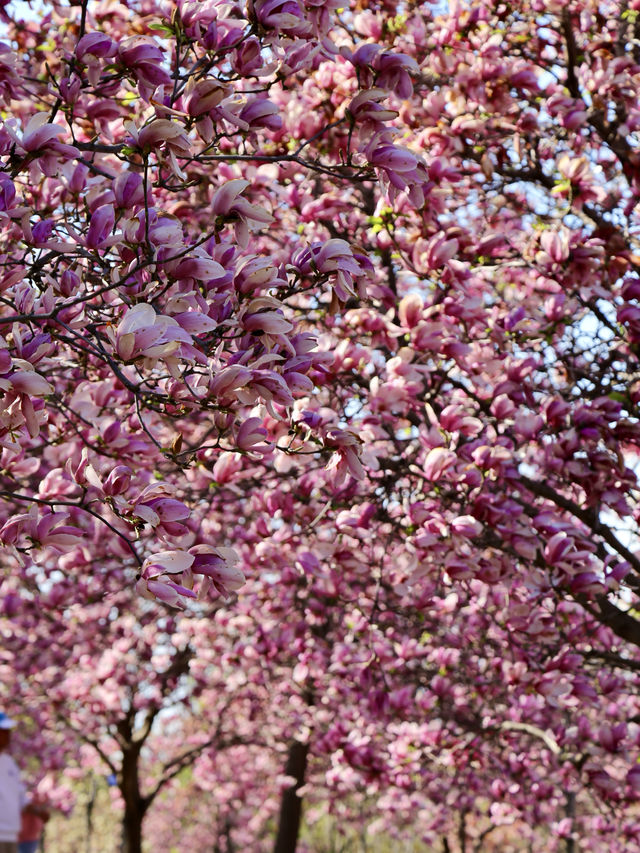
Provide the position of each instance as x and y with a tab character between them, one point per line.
132	831
135	806
571	812
462	832
90	806
291	803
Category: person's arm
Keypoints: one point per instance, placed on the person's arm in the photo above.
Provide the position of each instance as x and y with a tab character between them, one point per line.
38	811
32	807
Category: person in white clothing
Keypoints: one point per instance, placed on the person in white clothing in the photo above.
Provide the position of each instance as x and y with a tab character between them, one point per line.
12	791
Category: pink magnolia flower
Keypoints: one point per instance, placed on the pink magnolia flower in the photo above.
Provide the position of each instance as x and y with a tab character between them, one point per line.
70	88
40	141
253	273
298	383
162	588
227	465
263	315
218	566
118	480
7	192
393	159
454	418
100	227
167	576
195	323
604	782
272	388
18	407
410	310
202	96
334	258
96	44
229	379
142	333
162	513
144	58
346	458
228	204
466	525
394	72
558	547
578	173
287	16
438	460
128	190
52	532
555	246
39	133
250	434
389	69
248	58
27	382
587	583
299	54
166	562
46	529
262	113
366	106
401	169
633	779
439	250
92	48
163	133
198	267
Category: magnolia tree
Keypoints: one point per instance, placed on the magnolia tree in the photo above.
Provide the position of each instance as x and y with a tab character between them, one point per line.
410	721
424	716
120	689
343	301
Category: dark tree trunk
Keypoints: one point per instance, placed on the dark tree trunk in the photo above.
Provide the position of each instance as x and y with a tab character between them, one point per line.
571	812
90	806
132	831
462	832
291	803
135	806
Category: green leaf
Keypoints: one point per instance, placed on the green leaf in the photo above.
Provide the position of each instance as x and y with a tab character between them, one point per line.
161	28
